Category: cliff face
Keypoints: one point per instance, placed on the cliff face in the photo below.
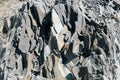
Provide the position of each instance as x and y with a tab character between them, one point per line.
61	40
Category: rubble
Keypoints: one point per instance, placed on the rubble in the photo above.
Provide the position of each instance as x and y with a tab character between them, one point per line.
62	40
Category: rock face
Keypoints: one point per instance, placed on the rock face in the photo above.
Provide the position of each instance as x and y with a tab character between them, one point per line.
62	40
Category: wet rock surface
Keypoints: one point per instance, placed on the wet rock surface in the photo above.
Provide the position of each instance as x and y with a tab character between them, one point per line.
62	40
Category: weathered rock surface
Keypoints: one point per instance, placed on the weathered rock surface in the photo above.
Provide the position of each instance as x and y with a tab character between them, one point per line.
62	40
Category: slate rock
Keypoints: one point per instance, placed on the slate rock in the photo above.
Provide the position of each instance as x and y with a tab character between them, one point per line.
5	27
57	25
61	40
33	44
40	44
24	45
47	51
60	10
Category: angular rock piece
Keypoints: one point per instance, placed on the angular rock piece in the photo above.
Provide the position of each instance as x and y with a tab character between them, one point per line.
29	25
67	36
76	42
60	41
41	15
24	45
60	70
30	65
57	25
67	40
47	51
40	44
5	27
87	41
80	23
33	44
60	10
35	14
53	43
19	64
75	71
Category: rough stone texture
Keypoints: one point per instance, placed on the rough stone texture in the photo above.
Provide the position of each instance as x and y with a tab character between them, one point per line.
61	40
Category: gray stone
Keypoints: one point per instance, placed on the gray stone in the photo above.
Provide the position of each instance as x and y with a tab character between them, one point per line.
40	44
53	43
28	25
32	45
75	71
80	23
24	44
76	43
57	25
60	10
40	13
67	36
87	41
5	27
61	40
47	51
19	64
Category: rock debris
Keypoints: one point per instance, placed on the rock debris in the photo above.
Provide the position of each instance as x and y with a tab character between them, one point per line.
62	40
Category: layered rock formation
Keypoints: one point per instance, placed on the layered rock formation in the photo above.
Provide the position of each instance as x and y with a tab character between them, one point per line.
62	40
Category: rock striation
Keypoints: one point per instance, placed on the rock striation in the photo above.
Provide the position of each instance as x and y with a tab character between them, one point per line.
62	40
